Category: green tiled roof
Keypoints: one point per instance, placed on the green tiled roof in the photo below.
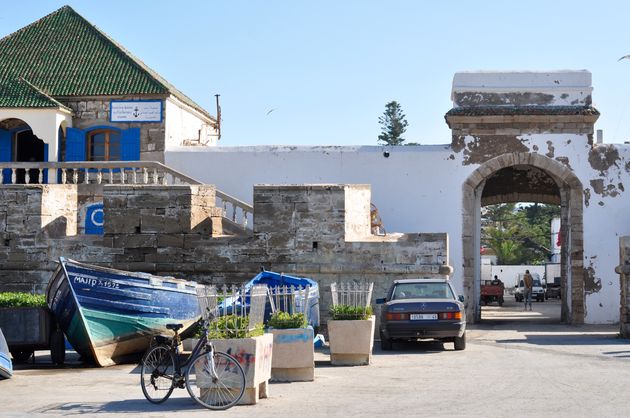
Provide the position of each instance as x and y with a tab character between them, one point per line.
19	93
63	54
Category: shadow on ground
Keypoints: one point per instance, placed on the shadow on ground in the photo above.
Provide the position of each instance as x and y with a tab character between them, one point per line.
123	406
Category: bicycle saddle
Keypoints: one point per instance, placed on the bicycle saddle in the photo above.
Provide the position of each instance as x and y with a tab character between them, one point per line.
174	327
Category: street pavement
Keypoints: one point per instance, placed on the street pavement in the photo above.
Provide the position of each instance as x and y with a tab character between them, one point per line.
516	364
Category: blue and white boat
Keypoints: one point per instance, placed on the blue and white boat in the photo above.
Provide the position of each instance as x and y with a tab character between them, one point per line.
110	315
6	366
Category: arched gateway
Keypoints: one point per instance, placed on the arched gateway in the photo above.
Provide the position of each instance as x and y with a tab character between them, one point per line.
525	176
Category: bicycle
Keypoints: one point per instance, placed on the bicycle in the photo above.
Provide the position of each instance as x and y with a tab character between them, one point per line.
213	379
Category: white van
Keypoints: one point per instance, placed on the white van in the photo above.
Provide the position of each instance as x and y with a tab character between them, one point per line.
538	292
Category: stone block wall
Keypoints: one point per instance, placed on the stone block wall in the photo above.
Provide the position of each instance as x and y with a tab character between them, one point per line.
32	219
176	230
147	224
94	111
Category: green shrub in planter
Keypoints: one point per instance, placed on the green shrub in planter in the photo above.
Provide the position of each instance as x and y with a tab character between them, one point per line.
285	320
349	312
21	300
233	326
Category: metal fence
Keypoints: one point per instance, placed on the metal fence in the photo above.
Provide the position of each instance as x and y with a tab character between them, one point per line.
232	311
355	294
290	299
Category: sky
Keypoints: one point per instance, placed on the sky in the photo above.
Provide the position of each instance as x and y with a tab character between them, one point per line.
320	72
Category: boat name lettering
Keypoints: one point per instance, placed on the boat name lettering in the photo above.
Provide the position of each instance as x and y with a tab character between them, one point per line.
92	282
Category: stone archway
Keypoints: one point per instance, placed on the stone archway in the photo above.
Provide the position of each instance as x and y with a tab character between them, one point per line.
571	201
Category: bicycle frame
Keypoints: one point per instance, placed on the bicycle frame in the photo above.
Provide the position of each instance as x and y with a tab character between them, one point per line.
202	344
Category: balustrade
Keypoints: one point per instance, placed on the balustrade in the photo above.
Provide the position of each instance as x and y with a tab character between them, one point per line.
117	172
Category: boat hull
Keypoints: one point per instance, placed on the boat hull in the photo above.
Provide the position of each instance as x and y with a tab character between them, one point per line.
111	315
6	366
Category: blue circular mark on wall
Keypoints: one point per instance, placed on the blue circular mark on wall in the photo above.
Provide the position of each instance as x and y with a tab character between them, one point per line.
94	219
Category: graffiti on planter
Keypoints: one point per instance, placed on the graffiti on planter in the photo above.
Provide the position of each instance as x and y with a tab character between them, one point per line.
292	338
243	357
246	359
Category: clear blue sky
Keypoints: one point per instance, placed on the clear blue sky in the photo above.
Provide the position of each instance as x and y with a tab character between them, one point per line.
329	67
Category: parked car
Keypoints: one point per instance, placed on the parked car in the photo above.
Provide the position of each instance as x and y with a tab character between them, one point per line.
538	292
417	309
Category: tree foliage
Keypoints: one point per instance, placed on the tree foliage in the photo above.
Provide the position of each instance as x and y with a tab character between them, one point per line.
393	124
518	234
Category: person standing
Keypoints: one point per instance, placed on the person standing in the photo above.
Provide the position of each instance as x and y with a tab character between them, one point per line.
528	286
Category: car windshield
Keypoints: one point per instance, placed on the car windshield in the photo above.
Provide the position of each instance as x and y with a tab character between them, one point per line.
422	290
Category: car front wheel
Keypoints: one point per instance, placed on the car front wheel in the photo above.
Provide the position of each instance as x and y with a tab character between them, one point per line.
460	342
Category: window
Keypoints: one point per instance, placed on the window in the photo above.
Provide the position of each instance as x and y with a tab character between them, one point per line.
104	145
428	290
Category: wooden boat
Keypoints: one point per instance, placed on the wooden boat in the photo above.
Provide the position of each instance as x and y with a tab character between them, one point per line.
110	315
6	366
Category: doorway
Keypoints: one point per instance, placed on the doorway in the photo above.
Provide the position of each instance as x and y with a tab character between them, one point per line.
28	148
526	177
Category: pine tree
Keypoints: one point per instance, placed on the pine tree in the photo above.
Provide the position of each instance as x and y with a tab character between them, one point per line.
393	124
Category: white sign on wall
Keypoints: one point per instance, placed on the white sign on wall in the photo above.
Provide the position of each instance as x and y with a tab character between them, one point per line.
135	111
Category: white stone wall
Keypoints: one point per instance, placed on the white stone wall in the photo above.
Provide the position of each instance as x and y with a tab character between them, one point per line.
555	88
184	126
419	188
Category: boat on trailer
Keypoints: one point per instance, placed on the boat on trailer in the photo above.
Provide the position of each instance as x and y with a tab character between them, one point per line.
6	366
110	315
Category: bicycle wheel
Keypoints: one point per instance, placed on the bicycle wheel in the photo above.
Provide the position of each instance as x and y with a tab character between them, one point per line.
219	390
156	374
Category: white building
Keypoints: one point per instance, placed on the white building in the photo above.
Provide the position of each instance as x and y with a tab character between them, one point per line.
517	136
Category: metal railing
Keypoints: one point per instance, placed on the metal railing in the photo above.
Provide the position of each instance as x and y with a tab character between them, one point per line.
233	311
351	294
290	299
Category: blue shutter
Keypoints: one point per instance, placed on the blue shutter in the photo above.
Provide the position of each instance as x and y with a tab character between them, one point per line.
130	145
75	145
5	153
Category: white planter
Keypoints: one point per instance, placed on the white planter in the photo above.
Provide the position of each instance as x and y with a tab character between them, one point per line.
351	341
189	343
254	355
293	356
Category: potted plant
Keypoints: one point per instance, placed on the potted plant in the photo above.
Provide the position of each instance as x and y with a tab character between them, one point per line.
293	354
28	325
351	335
251	346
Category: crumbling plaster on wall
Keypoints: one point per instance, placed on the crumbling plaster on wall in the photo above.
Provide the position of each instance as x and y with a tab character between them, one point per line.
573	151
405	181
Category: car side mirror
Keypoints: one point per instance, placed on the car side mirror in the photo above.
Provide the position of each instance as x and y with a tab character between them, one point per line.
460	298
380	301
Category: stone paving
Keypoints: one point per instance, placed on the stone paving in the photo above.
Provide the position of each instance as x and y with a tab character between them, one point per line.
509	368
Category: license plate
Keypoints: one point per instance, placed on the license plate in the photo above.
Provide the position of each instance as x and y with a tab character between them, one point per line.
422	316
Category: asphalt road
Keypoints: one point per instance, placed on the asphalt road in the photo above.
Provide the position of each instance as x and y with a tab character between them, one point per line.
510	368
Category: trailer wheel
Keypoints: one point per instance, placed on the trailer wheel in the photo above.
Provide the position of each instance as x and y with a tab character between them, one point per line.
57	347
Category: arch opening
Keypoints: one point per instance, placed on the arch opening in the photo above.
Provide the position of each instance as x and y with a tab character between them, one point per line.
18	143
525	177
